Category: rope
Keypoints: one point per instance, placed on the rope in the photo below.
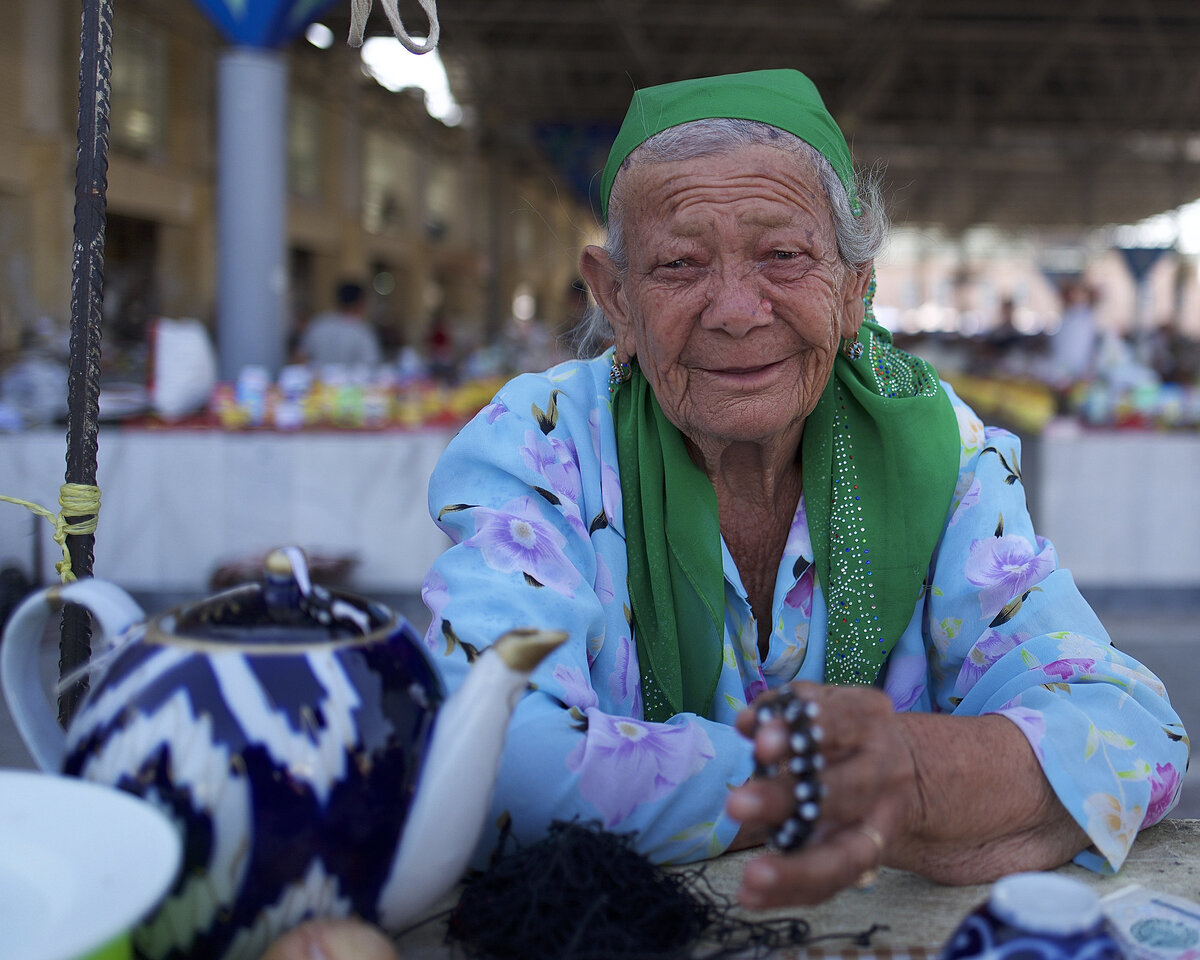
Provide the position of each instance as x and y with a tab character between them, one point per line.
361	9
75	500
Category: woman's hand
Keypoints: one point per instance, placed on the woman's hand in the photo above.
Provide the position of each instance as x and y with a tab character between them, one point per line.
959	799
867	777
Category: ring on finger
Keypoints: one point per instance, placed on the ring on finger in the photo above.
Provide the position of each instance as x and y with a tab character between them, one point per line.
867	878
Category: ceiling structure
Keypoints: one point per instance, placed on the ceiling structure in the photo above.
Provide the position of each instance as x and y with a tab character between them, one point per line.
1052	113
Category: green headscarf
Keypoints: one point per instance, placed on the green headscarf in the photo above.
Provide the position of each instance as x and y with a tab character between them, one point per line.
786	99
880	458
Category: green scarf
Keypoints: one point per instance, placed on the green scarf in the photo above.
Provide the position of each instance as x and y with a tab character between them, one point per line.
673	542
880	457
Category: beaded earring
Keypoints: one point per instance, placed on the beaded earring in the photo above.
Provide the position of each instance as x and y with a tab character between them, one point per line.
619	373
853	349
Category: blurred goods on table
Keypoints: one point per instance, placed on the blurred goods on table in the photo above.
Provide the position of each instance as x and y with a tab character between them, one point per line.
342	398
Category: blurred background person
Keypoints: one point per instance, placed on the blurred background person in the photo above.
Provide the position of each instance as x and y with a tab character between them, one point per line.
1073	347
342	336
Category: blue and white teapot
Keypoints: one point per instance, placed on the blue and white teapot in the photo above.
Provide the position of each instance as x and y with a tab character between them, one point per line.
297	737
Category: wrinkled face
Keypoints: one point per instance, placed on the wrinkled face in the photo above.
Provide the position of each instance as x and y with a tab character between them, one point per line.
735	299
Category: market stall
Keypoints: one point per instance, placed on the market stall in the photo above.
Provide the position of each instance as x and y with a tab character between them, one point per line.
181	503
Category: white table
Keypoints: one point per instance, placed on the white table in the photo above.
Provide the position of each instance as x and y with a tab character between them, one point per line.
1120	506
176	504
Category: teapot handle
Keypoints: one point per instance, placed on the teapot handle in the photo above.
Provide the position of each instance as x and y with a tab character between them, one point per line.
113	611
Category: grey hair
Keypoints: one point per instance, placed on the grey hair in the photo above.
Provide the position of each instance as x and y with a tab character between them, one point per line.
859	236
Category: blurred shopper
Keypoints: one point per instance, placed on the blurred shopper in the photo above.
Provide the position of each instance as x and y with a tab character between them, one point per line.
342	336
1073	347
439	345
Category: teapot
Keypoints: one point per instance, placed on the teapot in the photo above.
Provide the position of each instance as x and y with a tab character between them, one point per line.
298	737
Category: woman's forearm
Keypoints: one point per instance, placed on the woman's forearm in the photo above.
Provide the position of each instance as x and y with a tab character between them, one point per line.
979	805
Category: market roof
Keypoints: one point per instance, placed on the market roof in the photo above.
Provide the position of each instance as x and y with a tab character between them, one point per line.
1009	112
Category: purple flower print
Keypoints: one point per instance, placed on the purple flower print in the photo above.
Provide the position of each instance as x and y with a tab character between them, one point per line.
1030	722
610	481
556	461
968	500
605	591
801	595
623	681
623	763
987	650
1006	567
1068	667
799	541
436	594
1164	788
905	681
495	410
577	692
610	494
755	688
517	538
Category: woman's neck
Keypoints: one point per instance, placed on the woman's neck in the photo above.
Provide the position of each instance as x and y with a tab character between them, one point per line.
750	473
758	487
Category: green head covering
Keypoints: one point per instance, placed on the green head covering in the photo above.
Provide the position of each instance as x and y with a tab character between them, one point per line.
786	99
879	456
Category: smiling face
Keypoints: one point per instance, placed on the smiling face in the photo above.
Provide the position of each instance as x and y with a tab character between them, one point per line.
735	299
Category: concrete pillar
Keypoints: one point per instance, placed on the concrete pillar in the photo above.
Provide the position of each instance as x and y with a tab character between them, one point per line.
251	209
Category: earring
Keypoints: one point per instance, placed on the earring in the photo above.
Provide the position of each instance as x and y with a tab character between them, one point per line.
853	349
619	373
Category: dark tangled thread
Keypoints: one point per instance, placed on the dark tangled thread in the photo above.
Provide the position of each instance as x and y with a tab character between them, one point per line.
804	763
585	894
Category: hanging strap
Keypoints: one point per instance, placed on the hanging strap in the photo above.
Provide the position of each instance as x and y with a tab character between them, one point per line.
361	9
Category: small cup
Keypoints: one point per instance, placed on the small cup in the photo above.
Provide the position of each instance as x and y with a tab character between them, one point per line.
1035	916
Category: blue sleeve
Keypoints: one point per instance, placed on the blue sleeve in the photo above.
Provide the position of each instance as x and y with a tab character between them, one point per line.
529	494
1008	632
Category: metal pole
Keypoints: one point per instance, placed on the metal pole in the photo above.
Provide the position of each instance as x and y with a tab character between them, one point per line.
87	284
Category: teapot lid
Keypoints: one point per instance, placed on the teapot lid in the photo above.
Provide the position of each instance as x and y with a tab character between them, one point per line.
284	609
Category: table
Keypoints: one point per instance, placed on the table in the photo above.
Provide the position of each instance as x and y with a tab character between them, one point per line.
177	504
919	914
1111	502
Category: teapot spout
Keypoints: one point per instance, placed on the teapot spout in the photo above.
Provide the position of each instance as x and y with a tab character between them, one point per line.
523	649
455	789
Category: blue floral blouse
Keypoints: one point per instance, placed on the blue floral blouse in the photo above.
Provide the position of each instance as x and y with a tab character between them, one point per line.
530	496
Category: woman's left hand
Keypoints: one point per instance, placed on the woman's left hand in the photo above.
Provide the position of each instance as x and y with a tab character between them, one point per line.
867	779
957	799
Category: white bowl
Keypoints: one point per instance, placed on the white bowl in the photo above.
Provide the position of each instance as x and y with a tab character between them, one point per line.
81	864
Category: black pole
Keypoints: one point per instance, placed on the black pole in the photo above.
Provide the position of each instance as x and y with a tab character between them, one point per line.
87	286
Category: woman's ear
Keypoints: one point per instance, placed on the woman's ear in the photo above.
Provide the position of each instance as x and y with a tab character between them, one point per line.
853	308
597	268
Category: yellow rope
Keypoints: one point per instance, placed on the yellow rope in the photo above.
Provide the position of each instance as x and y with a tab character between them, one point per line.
75	500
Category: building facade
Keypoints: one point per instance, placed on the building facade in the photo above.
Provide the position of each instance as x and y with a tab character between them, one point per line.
435	219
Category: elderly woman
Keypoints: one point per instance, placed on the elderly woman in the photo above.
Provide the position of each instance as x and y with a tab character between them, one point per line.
753	490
